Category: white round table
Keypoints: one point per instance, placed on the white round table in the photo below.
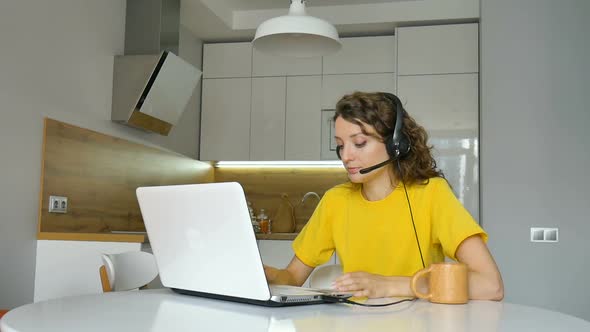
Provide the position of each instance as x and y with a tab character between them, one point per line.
164	310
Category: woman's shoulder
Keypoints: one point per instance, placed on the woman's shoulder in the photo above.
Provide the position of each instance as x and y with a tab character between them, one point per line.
432	184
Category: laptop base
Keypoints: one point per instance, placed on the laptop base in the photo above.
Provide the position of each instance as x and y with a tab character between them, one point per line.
318	299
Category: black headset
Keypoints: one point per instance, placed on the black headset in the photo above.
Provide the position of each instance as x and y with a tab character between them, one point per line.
398	144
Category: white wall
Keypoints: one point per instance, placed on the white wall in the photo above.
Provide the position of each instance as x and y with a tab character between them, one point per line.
535	114
56	61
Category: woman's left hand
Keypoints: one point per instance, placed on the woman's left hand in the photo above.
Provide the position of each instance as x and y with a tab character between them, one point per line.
363	284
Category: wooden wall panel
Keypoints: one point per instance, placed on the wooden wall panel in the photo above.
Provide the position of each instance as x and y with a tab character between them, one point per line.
264	186
99	174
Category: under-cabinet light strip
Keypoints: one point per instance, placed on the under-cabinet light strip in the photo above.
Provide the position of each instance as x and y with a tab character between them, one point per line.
280	164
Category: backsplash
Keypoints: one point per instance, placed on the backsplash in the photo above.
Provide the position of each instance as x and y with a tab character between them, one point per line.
264	187
99	173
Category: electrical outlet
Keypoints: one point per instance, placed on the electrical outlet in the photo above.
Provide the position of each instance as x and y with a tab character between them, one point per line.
544	234
58	204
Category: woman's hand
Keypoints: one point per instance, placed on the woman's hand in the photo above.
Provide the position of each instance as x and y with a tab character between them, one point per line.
364	284
271	274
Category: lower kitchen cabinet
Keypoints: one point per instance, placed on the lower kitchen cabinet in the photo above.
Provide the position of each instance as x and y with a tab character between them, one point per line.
67	268
278	253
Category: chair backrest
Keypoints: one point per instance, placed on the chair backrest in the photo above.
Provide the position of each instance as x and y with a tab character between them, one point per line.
323	276
128	270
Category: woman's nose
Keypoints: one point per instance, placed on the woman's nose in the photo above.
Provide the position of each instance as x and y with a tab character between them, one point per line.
346	154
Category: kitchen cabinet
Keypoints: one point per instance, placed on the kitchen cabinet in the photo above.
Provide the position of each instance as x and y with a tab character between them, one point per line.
227	60
67	268
225	119
441	102
303	116
274	111
285	122
278	253
362	55
438	83
267	125
336	86
439	49
273	65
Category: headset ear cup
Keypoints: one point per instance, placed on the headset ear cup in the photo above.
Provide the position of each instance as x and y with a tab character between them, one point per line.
390	146
404	146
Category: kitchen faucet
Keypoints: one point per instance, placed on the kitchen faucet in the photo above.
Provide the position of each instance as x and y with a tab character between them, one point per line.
311	193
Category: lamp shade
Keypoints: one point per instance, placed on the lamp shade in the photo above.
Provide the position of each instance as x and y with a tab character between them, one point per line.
297	34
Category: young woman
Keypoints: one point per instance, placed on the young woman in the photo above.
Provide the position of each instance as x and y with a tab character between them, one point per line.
395	216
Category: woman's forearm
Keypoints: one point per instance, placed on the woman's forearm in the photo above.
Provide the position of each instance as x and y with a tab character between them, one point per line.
280	276
485	287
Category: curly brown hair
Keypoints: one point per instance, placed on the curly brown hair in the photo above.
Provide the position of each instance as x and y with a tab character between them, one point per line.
377	110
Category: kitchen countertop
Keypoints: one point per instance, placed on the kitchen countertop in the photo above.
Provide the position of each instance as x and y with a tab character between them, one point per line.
100	237
276	236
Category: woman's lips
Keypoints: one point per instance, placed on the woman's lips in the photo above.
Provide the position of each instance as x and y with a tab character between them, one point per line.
353	170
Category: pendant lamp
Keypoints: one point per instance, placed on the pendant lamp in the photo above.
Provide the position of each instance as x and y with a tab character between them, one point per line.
296	34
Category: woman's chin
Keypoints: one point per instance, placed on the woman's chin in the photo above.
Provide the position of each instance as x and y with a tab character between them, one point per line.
355	178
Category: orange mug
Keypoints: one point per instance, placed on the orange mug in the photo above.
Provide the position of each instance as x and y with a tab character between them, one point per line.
448	283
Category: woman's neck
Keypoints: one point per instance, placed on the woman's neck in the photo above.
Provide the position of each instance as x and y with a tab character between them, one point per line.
379	188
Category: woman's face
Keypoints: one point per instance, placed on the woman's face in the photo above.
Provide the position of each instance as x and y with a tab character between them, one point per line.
359	151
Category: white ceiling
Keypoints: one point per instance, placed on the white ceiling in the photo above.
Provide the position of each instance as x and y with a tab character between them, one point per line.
236	20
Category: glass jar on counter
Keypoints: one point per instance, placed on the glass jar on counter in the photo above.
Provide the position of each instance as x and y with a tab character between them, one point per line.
264	222
253	218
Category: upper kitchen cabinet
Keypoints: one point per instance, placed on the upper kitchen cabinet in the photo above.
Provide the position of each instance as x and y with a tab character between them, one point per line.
225	119
336	86
285	122
273	65
442	103
227	60
441	49
362	55
267	125
303	116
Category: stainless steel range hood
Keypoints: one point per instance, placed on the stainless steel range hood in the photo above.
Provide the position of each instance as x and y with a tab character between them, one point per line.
151	84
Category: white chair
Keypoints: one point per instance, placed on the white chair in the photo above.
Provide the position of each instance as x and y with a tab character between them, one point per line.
127	271
323	276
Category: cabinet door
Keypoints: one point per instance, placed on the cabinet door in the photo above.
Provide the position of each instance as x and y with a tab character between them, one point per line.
264	64
267	130
336	86
278	253
439	49
441	102
227	60
447	107
362	55
225	119
68	268
303	123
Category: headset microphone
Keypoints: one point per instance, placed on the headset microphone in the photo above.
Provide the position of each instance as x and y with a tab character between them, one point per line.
374	167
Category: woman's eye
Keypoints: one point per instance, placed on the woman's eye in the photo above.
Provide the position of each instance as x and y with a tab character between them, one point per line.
360	145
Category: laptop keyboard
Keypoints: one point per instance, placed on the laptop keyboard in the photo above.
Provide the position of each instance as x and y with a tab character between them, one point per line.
292	290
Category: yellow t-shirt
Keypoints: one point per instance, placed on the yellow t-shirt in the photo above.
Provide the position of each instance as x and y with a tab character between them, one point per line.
378	237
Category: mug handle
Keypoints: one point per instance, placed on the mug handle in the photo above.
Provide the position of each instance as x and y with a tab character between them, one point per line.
413	284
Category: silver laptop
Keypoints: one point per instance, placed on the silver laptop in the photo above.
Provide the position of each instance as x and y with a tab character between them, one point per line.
204	244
